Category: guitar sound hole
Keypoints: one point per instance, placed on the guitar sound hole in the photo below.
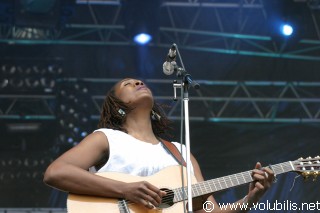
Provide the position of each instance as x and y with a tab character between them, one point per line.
167	200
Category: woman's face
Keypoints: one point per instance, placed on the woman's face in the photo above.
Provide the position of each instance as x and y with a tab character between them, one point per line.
133	91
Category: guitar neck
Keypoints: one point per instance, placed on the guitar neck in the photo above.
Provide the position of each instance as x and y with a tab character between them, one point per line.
218	184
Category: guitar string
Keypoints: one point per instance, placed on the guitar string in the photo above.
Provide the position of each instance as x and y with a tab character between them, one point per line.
279	168
179	191
199	186
226	180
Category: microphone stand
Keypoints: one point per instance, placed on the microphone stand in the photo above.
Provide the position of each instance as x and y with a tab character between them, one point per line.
186	81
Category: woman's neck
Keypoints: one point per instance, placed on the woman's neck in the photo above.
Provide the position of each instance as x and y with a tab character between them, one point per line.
140	127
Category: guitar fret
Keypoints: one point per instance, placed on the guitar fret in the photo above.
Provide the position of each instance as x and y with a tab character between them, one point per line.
249	174
225	183
197	187
195	190
282	167
202	188
237	179
214	185
230	180
244	180
210	188
206	188
220	184
291	165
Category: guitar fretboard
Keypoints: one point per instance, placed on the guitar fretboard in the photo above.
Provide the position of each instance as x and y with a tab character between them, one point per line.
218	184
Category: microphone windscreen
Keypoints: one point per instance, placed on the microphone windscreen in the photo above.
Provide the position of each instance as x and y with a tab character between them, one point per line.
168	68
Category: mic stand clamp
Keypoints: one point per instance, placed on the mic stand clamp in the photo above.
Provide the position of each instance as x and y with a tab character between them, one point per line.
186	77
175	86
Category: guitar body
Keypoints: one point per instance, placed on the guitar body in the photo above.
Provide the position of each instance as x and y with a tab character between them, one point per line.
168	178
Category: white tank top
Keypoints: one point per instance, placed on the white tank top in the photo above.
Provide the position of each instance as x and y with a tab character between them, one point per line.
132	156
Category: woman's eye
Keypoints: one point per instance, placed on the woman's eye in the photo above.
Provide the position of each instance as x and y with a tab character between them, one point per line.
127	84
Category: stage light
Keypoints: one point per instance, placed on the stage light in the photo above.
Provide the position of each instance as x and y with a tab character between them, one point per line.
32	82
83	134
70	140
74	118
30	162
76	129
14	162
141	18
23	175
16	83
286	29
142	38
47	84
4	83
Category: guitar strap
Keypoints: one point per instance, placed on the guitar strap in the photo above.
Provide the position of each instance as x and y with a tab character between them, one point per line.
172	149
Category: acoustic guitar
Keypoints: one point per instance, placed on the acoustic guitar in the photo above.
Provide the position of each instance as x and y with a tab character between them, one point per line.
169	180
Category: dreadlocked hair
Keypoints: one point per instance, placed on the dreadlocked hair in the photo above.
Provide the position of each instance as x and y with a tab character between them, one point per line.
111	118
163	126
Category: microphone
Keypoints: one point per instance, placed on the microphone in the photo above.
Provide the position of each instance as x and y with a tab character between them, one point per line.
170	63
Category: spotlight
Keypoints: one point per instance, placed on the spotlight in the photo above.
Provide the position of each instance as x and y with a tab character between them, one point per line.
142	38
286	29
76	129
32	82
70	140
141	18
4	83
17	83
84	134
48	84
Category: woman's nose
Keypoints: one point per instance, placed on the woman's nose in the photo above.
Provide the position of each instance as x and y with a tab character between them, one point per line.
139	83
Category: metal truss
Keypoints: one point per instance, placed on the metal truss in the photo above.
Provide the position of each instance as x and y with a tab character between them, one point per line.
235	27
216	101
27	107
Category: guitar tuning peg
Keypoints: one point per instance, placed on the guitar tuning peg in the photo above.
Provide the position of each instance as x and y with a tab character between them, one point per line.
315	175
301	158
309	157
305	175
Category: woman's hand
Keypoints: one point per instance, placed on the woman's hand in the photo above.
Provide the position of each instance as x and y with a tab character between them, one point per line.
263	178
143	193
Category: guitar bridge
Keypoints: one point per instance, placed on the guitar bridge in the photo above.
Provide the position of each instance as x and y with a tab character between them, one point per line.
123	206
